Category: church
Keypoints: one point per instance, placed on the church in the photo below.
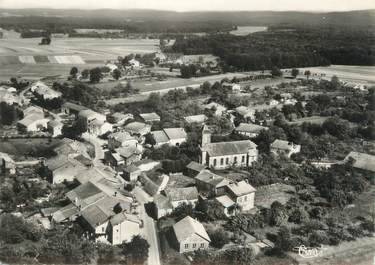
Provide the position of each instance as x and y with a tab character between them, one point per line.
222	155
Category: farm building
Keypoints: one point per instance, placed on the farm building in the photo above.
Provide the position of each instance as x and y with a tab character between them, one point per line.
200	119
279	147
249	129
150	117
170	136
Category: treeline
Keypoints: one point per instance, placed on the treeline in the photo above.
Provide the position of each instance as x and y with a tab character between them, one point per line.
68	24
300	47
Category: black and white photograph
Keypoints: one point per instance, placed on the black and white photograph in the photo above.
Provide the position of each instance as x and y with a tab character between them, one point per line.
201	132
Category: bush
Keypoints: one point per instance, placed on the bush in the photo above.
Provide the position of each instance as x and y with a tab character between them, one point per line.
219	238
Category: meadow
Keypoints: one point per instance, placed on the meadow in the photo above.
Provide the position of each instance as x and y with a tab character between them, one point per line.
26	58
246	30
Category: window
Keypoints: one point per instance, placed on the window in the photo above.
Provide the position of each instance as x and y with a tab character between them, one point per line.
221	161
214	162
245	198
102	229
194	245
243	159
202	245
235	159
227	161
186	245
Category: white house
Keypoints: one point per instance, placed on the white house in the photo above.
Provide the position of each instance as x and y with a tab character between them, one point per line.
170	136
32	123
190	235
150	117
99	127
200	119
44	91
243	194
134	63
219	110
284	147
246	112
137	128
232	86
120	139
55	127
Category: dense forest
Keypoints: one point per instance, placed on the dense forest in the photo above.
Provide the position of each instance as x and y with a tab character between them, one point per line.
285	48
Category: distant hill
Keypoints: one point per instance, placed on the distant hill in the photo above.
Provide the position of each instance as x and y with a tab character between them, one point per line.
362	18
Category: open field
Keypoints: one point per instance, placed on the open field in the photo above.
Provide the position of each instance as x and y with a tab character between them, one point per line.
25	58
352	74
246	30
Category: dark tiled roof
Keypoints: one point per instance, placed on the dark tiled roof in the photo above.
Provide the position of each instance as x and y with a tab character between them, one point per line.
229	148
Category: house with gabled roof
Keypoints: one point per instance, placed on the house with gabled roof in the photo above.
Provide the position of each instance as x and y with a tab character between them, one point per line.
211	183
286	148
363	162
243	194
170	136
179	196
190	235
32	123
200	119
150	117
162	206
194	168
137	128
249	129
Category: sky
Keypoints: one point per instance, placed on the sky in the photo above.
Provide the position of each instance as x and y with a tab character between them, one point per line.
197	5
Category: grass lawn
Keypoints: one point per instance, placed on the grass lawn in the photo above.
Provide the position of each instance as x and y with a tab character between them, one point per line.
22	147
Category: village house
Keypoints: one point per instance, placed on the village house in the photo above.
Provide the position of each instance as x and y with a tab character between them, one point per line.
99	127
222	155
226	204
232	86
7	164
119	119
55	128
190	235
179	196
89	115
243	194
134	63
286	148
64	167
121	139
124	155
162	206
42	90
246	112
170	136
363	162
193	169
199	119
211	184
9	98
154	185
33	110
131	173
32	123
150	117
138	128
249	129
72	108
218	109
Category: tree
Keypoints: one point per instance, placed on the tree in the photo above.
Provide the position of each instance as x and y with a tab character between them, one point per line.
278	214
116	74
136	251
219	238
95	75
85	73
8	114
276	72
149	139
307	74
335	82
240	256
295	72
74	72
45	41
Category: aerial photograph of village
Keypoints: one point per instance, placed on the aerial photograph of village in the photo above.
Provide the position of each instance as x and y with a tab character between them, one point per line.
210	132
